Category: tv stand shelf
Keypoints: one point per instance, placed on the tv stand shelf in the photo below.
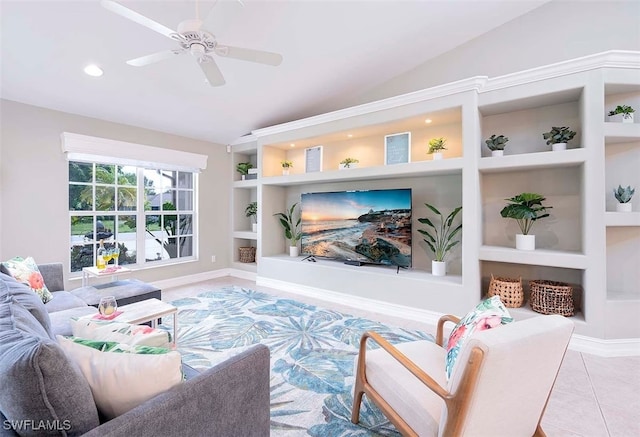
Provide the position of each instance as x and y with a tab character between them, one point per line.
582	242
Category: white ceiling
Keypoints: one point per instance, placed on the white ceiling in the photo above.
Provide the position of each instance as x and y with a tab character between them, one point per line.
333	51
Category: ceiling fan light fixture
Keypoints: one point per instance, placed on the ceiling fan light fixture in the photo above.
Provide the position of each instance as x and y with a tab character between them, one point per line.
93	70
197	50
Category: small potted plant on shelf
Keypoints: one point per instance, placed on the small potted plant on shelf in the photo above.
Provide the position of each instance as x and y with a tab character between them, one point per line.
497	144
558	137
286	165
622	113
243	169
525	209
441	238
623	196
251	211
348	163
291	226
436	146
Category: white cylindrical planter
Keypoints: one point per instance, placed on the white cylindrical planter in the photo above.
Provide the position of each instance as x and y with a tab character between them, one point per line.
254	227
624	207
438	268
285	172
293	251
437	155
619	118
559	146
628	118
525	242
244	177
497	153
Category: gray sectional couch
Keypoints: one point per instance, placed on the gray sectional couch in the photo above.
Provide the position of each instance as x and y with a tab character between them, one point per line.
43	393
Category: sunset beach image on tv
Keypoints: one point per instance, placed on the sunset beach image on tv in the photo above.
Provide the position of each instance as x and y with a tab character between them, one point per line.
371	226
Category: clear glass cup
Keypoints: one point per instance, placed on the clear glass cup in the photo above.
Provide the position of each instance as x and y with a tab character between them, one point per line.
116	254
107	306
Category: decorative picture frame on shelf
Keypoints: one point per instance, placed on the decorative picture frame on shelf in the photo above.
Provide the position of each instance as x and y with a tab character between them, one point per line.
397	148
313	159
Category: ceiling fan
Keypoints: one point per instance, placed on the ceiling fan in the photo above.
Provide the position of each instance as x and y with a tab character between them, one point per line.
192	39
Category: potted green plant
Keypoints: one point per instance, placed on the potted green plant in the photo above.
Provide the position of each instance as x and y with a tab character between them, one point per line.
436	146
440	238
497	144
291	225
348	163
623	196
525	209
251	211
622	113
558	137
243	169
286	165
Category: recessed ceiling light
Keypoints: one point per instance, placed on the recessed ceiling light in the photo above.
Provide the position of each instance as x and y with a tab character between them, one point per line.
350	136
93	70
428	120
292	145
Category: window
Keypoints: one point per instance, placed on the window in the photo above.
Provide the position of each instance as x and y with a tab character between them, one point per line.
148	213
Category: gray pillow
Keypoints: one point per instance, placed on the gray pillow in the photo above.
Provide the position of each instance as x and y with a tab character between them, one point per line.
27	299
39	387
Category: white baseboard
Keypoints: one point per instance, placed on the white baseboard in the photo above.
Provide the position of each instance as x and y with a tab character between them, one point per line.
621	347
191	279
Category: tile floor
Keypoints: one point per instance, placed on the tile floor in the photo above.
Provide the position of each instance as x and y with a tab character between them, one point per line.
593	396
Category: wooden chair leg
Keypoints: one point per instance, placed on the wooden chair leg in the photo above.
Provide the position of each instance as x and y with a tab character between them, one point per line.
357	399
539	432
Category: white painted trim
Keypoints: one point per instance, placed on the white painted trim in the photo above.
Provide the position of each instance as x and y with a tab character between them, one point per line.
243	140
361	303
471	84
104	150
191	279
243	274
622	347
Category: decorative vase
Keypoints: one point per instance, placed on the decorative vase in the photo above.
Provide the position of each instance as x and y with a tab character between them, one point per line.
293	251
620	118
624	207
254	227
559	146
438	268
285	172
437	155
525	242
344	166
628	118
243	177
497	153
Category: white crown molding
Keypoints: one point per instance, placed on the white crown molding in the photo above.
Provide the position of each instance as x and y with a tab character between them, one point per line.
244	139
610	59
471	84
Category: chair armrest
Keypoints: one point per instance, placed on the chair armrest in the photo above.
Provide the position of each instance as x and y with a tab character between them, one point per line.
403	360
231	398
440	330
53	275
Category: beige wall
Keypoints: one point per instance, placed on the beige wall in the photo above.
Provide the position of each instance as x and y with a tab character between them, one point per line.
557	31
33	187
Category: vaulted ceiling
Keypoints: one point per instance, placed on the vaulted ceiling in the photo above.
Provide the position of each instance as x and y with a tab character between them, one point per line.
332	51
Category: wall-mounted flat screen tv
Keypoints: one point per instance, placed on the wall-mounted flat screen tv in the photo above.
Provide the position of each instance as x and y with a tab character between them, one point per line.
370	226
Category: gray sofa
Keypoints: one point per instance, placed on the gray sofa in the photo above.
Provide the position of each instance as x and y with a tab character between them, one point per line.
43	393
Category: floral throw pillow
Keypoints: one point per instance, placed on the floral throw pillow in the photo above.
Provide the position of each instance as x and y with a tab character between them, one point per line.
488	314
25	270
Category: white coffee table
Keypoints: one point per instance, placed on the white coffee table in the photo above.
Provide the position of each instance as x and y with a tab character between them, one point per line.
109	271
149	310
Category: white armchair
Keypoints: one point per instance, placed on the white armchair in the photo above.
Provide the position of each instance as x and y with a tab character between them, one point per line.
499	387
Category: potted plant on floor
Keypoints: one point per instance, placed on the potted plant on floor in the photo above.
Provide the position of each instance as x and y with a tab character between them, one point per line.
440	238
291	225
348	163
525	209
436	146
558	137
286	165
622	113
243	169
497	144
623	196
251	211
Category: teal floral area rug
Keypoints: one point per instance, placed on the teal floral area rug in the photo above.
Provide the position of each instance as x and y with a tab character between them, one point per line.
312	356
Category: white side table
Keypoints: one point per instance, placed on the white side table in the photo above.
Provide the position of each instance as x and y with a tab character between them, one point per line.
112	271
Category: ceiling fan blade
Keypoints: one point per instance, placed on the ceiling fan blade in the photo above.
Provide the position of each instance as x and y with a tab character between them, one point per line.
155	57
259	56
211	71
136	17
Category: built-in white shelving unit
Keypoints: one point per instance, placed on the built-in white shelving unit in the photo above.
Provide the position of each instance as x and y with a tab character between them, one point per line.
583	242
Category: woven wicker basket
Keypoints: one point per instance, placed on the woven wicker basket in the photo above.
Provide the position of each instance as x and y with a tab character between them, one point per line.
549	297
247	254
510	291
